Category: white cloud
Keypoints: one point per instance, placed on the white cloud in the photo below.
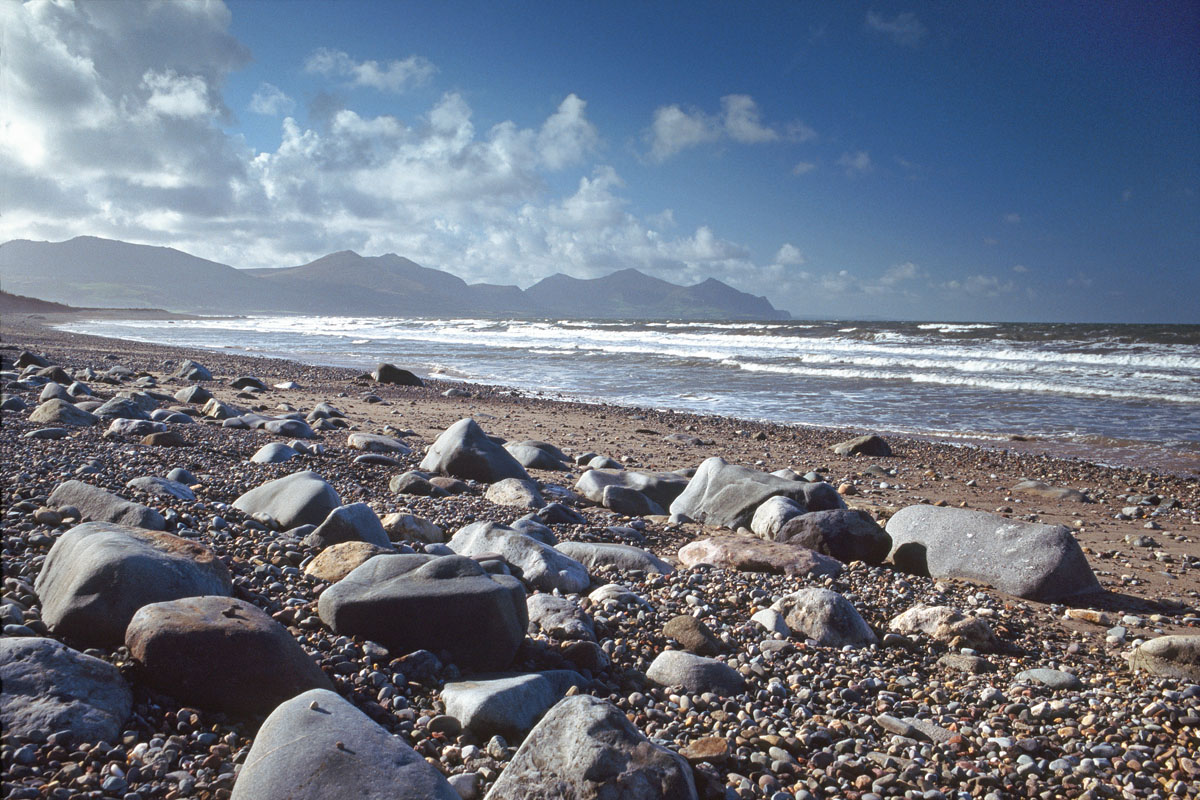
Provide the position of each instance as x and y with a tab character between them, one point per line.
979	286
674	129
567	135
803	167
173	95
1020	268
789	254
903	29
857	163
392	76
271	101
899	273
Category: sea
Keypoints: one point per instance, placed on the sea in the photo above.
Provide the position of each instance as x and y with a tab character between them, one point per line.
1126	395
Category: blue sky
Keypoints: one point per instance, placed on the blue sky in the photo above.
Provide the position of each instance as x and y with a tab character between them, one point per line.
930	161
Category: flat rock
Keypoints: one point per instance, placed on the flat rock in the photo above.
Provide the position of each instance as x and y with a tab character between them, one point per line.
123	426
750	554
585	749
350	523
693	635
622	556
1051	678
825	617
845	534
1047	492
317	745
410	528
869	445
166	439
48	434
97	575
971	665
947	625
220	653
1169	656
515	492
121	408
559	514
694	673
163	487
660	487
48	687
538	564
338	560
464	451
416	484
194	395
1029	560
302	498
376	443
629	503
414	602
508	704
97	505
192	371
772	621
60	412
559	617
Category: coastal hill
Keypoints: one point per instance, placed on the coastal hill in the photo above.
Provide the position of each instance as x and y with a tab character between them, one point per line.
106	273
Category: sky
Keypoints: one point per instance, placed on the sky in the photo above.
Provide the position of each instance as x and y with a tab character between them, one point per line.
942	160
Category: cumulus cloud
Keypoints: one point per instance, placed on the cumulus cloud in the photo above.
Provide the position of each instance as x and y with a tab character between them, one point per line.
391	76
857	163
899	273
789	254
271	101
903	29
675	129
980	285
1020	268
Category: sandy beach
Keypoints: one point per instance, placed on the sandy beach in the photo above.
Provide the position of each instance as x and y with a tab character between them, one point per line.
1148	563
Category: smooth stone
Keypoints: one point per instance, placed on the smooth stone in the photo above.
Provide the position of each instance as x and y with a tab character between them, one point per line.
869	445
48	434
97	505
339	560
302	498
166	439
396	376
54	390
164	487
515	492
413	602
215	409
529	526
539	565
712	749
772	515
60	412
49	687
220	653
414	483
661	488
629	503
693	635
1047	492
317	745
725	495
825	617
694	673
350	523
410	528
194	395
751	554
1029	560
971	665
375	443
559	617
192	371
585	749
274	453
124	408
622	556
772	621
845	534
1052	678
559	514
508	704
97	575
531	457
181	475
1175	656
133	427
464	451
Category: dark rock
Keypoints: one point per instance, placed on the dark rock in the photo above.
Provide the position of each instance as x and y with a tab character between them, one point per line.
191	371
351	523
695	674
97	505
464	451
248	382
870	445
60	412
389	373
847	535
693	635
302	498
507	704
660	487
539	565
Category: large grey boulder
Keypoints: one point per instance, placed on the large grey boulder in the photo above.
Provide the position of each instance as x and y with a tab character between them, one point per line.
531	456
192	371
826	617
585	749
123	426
163	487
464	451
508	704
376	443
772	515
1029	560
629	502
220	653
60	412
48	687
696	674
97	505
869	445
302	498
750	554
317	745
621	556
660	487
274	453
559	617
390	373
726	495
1175	656
516	493
194	395
97	575
846	534
415	602
122	408
352	523
54	390
536	563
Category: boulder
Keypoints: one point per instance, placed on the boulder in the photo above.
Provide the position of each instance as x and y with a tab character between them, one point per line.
559	617
194	395
29	359
538	564
274	453
621	556
48	687
1047	492
390	373
289	427
339	560
123	426
1175	656
221	654
53	391
163	487
826	617
192	371
660	487
317	745
530	526
416	484
375	443
772	515
47	434
98	574
409	528
507	704
215	409
413	602
725	495
948	626
166	439
121	408
464	451
629	502
585	749
869	445
13	403
693	635
531	457
97	505
559	514
302	498
846	534
696	674
60	412
750	554
351	523
248	382
515	492
1029	560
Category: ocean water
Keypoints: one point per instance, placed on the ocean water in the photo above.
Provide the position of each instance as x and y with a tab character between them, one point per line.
1121	394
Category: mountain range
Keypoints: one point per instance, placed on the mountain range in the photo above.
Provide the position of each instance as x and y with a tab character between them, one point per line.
106	273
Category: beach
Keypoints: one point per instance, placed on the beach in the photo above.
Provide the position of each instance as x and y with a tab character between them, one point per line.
807	722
